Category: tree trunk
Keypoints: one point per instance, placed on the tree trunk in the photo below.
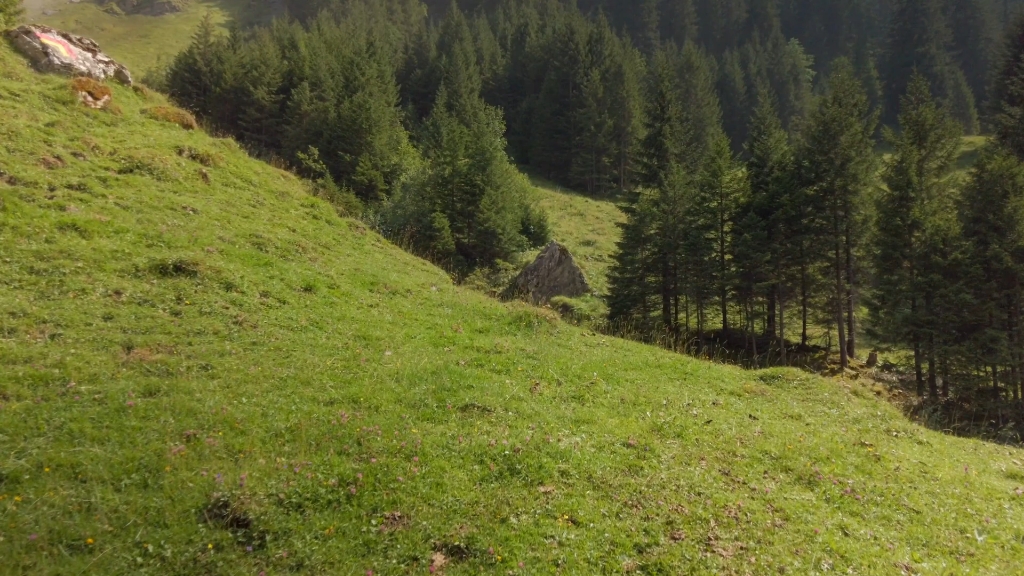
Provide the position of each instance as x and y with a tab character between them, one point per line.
770	329
753	330
851	300
803	304
723	270
995	381
666	295
918	372
933	388
844	360
782	328
1011	336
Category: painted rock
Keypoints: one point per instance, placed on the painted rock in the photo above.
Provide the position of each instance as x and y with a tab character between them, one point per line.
58	52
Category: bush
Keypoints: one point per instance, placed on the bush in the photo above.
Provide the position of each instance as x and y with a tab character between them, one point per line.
493	280
172	115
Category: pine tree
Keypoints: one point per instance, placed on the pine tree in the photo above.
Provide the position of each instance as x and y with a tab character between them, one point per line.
624	85
665	145
1008	91
912	215
771	180
198	73
733	94
679	23
992	215
555	129
838	160
973	35
920	40
702	113
632	278
720	194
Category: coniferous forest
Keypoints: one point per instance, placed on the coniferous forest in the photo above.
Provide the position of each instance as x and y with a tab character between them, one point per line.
789	168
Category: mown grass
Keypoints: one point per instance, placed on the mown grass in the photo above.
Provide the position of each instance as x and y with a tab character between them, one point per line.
228	378
143	43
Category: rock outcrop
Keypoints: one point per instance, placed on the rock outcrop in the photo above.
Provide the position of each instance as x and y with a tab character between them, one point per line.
553	273
62	53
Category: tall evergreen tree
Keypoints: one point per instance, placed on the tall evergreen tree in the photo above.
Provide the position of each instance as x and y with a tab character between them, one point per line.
770	172
721	192
666	141
734	97
992	216
920	39
1007	106
913	215
838	160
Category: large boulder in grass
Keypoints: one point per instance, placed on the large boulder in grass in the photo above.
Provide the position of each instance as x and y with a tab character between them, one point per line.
553	273
59	52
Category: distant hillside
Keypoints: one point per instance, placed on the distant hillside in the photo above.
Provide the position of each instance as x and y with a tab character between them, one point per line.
140	41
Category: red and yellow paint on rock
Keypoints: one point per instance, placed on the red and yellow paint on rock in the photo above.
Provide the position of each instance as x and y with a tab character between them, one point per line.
59	45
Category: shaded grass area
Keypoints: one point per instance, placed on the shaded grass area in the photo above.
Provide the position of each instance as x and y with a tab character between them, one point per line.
143	43
221	376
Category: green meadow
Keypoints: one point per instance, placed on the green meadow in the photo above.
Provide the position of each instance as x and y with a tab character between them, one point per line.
205	370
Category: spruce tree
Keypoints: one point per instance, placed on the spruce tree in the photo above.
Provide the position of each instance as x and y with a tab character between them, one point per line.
197	75
733	95
920	40
992	216
679	22
721	191
838	160
973	40
666	141
632	278
912	217
770	173
702	113
1007	106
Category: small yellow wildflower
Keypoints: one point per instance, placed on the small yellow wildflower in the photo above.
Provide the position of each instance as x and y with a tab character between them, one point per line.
209	546
17	498
90	541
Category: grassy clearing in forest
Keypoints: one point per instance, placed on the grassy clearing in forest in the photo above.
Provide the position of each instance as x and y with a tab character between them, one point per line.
225	377
587	226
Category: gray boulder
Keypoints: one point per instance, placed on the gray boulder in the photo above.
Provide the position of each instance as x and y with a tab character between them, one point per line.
553	273
59	52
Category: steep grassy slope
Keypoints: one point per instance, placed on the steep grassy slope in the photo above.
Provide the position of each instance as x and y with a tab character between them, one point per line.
227	378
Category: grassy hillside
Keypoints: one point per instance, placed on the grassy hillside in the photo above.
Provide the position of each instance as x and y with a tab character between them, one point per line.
588	227
139	42
227	378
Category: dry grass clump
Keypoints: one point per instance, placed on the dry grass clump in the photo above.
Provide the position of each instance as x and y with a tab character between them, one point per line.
93	94
96	90
172	115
